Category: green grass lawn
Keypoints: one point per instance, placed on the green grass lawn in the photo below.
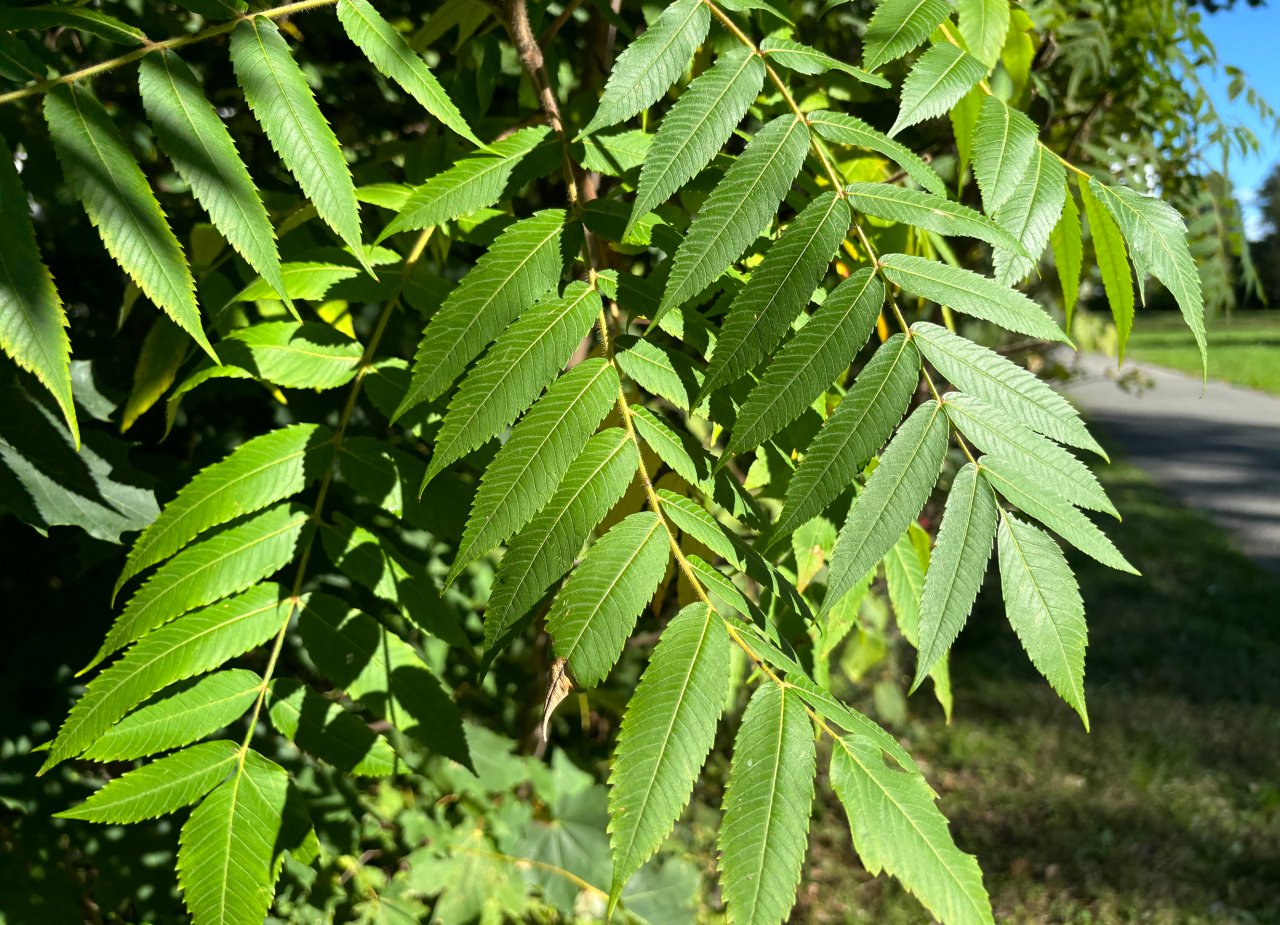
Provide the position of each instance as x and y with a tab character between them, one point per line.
1169	812
1244	349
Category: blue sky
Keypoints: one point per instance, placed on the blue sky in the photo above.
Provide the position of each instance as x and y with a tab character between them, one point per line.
1249	39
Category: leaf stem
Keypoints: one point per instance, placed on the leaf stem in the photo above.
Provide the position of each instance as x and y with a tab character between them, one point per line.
43	86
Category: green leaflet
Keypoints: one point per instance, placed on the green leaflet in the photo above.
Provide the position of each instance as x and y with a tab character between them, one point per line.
545	550
1113	264
847	130
473	183
984	373
520	267
218	566
1004	145
897	27
970	293
180	717
1017	483
738	209
859	426
32	321
924	210
391	55
1157	240
956	567
190	645
115	194
662	371
1068	254
894	494
694	520
648	67
259	472
984	25
596	610
383	672
806	60
767	803
159	788
1042	602
994	431
293	355
897	828
904	571
666	734
52	16
329	731
227	854
779	289
277	92
201	148
617	154
1031	214
300	279
523	361
542	446
939	78
696	127
809	361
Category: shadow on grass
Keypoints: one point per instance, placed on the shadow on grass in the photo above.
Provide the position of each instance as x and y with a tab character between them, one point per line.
1169	812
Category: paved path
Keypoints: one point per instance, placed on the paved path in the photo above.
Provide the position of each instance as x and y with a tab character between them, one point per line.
1219	452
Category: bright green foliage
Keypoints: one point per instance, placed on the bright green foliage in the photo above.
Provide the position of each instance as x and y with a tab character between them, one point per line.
1018	484
809	360
860	425
779	289
472	183
111	185
738	209
329	731
596	610
301	279
994	431
956	567
673	376
1068	254
897	827
521	266
650	65
665	737
32	320
697	127
1044	607
391	55
804	59
277	92
1113	263
984	25
202	150
694	520
516	369
224	563
545	550
988	375
227	856
526	471
767	802
159	788
1157	240
294	355
894	494
848	130
1004	146
1031	214
941	76
970	293
260	472
189	646
904	569
188	713
897	27
924	210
